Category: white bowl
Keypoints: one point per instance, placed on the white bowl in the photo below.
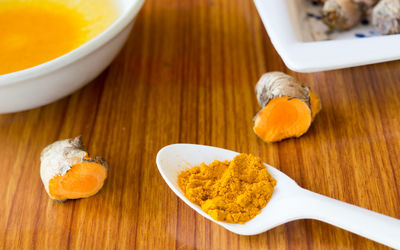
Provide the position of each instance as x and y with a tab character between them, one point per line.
57	78
294	38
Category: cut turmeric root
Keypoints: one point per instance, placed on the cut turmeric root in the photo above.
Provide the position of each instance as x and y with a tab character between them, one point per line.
282	118
67	171
288	108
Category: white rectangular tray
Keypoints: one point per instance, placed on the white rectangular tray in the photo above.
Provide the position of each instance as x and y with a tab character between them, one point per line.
298	36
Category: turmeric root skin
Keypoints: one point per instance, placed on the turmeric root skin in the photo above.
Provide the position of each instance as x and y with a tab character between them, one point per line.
386	17
366	4
345	14
341	14
68	173
278	84
288	108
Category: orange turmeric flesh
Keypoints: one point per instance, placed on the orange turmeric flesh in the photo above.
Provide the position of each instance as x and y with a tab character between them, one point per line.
82	180
281	118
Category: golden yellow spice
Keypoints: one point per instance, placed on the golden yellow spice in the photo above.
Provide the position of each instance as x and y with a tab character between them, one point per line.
233	192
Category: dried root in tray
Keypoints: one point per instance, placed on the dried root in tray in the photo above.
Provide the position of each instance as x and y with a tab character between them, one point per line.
345	14
341	14
386	16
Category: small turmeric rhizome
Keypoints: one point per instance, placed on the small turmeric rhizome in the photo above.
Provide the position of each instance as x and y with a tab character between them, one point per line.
231	191
68	172
287	107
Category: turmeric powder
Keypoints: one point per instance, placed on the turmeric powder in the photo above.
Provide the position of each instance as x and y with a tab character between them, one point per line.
233	192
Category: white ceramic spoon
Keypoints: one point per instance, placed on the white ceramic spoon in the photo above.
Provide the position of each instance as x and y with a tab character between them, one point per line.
289	201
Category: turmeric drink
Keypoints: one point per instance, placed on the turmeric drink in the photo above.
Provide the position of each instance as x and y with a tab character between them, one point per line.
233	192
34	32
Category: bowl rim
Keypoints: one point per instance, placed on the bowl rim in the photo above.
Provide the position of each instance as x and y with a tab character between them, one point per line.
82	51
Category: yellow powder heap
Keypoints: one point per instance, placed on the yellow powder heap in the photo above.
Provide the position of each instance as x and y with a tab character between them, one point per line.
233	192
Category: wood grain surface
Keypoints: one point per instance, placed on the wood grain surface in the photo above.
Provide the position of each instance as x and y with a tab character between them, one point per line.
187	74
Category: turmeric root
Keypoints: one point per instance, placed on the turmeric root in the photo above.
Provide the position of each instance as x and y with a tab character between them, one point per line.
344	14
341	14
386	17
67	172
288	108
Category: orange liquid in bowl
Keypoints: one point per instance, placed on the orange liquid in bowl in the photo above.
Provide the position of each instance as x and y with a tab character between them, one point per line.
33	32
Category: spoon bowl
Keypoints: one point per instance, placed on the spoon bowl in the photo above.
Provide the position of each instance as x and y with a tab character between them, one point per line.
288	202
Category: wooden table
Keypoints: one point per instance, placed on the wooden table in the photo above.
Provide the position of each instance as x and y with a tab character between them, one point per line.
187	74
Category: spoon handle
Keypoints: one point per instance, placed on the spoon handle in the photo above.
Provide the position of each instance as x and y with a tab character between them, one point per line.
372	225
